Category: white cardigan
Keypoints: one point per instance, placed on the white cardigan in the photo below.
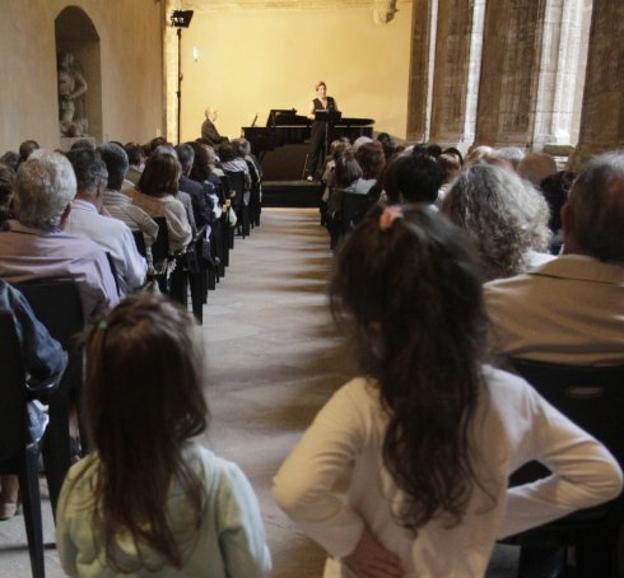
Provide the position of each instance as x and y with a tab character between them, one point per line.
513	425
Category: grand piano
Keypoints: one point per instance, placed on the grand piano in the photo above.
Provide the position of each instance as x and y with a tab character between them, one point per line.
285	127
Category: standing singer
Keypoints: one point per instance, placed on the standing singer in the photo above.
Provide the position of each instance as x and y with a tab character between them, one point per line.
317	151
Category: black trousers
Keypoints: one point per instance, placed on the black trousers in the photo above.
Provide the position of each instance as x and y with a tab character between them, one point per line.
316	154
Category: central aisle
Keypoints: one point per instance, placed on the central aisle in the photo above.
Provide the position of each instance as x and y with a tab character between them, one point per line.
273	360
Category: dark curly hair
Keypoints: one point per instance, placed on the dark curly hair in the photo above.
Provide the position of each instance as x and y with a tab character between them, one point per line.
412	299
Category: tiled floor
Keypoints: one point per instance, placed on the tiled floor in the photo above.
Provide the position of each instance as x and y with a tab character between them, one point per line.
273	359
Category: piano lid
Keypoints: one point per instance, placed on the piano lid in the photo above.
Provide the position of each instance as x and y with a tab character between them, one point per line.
286	117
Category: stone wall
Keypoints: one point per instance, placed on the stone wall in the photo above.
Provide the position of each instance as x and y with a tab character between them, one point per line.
132	100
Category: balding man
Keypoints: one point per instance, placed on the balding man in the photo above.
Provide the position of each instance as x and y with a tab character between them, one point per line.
209	131
571	310
36	247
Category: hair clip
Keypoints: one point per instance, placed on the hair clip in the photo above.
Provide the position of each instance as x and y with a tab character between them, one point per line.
388	216
102	325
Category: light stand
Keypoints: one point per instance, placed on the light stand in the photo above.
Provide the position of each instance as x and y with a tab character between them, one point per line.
180	19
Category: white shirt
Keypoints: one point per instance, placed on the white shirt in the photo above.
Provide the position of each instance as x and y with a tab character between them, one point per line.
512	426
114	237
569	311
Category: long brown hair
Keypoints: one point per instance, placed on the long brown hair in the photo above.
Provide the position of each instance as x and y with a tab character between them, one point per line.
409	290
161	175
142	401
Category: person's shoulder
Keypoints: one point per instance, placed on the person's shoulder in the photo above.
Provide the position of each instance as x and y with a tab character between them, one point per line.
508	392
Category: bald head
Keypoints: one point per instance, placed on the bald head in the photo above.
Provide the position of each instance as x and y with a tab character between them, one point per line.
211	113
535	167
594	216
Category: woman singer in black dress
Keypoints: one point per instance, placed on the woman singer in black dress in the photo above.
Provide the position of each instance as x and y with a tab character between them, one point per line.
317	152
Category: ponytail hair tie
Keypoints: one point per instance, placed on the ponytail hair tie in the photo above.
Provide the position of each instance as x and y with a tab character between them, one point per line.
388	216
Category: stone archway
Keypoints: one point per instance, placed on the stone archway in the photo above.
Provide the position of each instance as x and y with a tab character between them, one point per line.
76	34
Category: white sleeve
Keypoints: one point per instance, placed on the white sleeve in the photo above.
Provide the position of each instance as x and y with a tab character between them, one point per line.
584	473
241	533
304	485
136	265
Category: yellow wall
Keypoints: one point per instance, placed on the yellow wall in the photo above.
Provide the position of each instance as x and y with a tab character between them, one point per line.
131	62
252	60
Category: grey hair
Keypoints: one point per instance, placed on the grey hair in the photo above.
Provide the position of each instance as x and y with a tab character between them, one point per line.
596	203
116	160
504	216
165	149
513	155
44	186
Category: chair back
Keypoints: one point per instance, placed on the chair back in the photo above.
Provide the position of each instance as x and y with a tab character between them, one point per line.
113	268
57	304
354	207
237	186
592	397
139	241
13	419
160	248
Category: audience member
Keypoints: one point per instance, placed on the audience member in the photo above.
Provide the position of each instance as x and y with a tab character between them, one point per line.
155	195
136	162
361	140
506	219
86	220
412	439
7	186
36	246
413	178
201	202
451	167
478	154
555	190
11	160
27	148
388	144
454	152
118	204
43	361
149	500
571	310
535	167
506	157
83	143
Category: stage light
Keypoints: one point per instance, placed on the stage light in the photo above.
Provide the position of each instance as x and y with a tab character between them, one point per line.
181	18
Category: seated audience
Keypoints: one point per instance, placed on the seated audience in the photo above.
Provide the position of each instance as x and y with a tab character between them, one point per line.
7	186
454	152
388	143
11	160
155	195
361	140
426	438
86	220
205	171
149	500
413	178
478	155
231	162
370	156
36	247
451	167
118	204
136	162
535	167
555	190
43	361
506	219
506	157
201	202
571	310
27	148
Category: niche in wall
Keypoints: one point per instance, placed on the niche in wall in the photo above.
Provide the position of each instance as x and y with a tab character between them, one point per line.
76	34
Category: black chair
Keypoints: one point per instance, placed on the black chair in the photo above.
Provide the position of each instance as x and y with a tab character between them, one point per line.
139	241
255	199
354	207
57	304
113	268
592	397
160	255
17	455
240	200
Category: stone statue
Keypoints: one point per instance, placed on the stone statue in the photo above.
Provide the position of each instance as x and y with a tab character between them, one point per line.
384	11
71	86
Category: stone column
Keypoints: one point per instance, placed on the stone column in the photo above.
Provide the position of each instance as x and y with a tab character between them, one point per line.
422	62
509	71
562	49
602	118
458	67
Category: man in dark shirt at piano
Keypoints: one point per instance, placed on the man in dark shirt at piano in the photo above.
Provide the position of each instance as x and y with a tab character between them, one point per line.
209	131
